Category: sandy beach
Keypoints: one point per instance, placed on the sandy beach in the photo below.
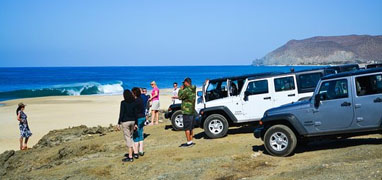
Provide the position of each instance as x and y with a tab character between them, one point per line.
58	112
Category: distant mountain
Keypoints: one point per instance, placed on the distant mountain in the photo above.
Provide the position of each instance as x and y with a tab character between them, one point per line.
326	50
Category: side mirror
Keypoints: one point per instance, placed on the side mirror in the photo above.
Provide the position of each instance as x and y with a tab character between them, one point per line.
246	94
317	100
199	93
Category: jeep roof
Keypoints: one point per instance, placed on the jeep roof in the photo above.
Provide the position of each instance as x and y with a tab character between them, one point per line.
377	65
345	67
351	73
290	73
268	74
240	77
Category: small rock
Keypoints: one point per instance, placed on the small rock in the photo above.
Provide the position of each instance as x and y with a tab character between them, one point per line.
256	154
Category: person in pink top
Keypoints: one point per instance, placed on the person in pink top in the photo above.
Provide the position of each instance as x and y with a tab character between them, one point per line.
155	105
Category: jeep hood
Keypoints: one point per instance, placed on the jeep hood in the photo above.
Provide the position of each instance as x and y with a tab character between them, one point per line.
289	108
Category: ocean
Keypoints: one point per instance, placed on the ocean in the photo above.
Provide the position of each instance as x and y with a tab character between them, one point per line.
75	81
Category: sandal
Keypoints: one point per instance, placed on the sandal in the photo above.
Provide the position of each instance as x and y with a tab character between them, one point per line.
135	156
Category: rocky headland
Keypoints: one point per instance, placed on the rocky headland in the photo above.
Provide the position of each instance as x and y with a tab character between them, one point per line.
324	50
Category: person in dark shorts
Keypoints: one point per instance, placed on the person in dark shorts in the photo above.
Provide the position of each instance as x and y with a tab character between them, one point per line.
187	94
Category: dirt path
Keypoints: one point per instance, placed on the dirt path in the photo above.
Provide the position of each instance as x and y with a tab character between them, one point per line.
96	154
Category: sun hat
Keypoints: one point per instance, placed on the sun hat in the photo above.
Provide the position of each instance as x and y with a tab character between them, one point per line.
22	104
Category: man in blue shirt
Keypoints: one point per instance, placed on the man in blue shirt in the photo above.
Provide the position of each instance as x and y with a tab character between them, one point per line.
145	99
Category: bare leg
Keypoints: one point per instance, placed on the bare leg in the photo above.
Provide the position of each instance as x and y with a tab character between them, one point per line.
141	146
130	152
152	117
157	117
135	147
26	142
188	135
21	143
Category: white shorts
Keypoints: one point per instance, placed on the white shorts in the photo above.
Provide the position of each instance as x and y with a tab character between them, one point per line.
155	106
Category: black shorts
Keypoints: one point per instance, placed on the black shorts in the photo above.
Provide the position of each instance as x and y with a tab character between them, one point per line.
188	122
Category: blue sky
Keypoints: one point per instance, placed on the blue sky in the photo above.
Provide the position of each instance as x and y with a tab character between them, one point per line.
197	32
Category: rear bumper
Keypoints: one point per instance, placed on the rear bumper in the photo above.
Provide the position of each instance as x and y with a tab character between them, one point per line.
258	132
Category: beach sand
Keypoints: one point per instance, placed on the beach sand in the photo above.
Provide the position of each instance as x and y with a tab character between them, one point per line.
58	112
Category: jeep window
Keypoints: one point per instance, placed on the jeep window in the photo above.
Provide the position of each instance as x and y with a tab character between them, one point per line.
233	88
368	85
236	86
257	87
216	90
308	82
335	89
284	84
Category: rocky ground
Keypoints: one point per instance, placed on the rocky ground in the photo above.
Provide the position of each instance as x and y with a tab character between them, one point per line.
96	153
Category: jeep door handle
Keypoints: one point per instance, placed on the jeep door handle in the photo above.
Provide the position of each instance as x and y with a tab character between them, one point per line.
377	100
346	104
290	95
267	98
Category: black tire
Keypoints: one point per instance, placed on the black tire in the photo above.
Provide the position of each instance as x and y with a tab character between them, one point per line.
220	123
176	125
285	134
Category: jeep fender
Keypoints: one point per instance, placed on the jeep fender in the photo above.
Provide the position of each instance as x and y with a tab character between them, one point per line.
175	106
290	118
222	109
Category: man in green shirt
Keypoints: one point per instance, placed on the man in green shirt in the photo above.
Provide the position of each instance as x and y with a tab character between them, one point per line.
187	94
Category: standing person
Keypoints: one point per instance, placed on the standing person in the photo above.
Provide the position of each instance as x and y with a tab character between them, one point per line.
187	94
25	132
127	121
175	91
138	134
155	105
145	99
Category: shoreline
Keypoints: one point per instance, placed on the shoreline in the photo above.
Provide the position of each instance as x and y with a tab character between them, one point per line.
58	112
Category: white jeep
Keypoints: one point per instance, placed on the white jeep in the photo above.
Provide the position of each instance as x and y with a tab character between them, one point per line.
238	100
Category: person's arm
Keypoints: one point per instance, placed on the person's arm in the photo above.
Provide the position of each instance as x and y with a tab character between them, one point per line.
137	110
19	116
155	95
121	113
182	94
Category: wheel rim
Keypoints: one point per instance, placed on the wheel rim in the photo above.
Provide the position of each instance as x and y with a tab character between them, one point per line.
278	141
179	120
216	126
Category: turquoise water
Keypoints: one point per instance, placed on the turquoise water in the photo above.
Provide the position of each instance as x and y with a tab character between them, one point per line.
74	81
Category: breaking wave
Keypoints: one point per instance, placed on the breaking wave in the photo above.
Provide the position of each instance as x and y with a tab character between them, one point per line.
77	89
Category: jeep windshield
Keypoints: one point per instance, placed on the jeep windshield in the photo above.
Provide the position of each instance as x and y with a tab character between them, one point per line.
222	88
216	90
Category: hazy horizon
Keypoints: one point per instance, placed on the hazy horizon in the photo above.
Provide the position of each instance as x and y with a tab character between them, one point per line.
169	33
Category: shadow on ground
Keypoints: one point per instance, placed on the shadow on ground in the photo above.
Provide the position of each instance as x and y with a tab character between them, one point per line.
232	131
145	135
327	144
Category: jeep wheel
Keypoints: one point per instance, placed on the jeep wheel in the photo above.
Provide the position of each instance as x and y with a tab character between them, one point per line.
215	126
280	140
177	120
